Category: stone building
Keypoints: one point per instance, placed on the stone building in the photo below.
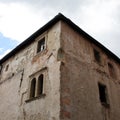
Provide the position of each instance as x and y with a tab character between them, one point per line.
60	73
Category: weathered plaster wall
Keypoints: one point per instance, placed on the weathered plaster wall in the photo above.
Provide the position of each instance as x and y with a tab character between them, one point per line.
80	74
14	82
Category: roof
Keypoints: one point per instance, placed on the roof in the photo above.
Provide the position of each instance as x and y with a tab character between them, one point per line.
57	18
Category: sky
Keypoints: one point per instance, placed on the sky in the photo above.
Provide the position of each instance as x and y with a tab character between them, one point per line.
21	18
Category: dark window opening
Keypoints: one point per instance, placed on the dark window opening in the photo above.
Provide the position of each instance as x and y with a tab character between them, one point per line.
41	45
111	70
40	85
6	69
32	88
97	55
0	69
103	94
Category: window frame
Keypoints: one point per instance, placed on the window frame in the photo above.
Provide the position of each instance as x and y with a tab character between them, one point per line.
41	44
36	75
38	86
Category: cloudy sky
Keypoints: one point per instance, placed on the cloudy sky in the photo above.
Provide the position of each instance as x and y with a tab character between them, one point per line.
20	18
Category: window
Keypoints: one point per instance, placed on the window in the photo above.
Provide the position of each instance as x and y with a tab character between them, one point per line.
6	69
41	45
40	85
103	94
97	56
0	68
111	70
36	86
32	88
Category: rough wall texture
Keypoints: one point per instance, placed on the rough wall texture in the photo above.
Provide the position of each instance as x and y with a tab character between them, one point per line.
80	75
15	81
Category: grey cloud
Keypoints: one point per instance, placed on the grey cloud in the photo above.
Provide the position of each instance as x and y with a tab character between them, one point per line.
69	6
111	40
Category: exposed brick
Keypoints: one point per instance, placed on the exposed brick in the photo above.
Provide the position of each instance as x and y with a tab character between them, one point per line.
65	114
66	101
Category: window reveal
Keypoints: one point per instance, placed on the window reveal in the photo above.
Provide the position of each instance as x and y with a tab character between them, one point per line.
97	56
0	69
111	70
40	85
32	88
36	86
103	96
6	69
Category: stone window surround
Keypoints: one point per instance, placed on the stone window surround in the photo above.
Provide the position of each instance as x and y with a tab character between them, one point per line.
38	39
36	76
41	45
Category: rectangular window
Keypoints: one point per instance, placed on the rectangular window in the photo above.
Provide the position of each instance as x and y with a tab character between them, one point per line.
97	56
103	94
41	45
6	69
111	70
0	69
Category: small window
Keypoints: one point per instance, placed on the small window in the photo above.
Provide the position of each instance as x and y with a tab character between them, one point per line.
0	68
6	69
32	88
41	45
97	56
111	70
103	94
40	85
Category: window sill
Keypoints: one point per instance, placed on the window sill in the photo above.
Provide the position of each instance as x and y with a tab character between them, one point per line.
35	98
42	52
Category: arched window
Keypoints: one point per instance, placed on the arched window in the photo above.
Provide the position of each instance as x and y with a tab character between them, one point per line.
40	85
32	88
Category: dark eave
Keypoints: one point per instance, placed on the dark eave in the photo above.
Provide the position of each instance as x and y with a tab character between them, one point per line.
57	18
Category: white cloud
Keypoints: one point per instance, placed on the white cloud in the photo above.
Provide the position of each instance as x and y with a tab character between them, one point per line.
18	20
5	53
99	16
